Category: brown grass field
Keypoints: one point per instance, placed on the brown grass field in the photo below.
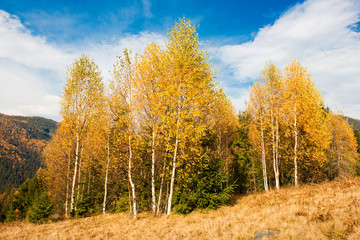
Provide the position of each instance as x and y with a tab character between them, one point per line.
326	211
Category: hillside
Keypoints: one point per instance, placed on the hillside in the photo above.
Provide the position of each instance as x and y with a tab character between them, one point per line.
355	123
21	142
326	211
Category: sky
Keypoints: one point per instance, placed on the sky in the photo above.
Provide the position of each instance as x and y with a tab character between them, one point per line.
40	39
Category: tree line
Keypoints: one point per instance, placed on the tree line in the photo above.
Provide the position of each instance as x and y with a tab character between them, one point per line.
139	140
293	135
162	136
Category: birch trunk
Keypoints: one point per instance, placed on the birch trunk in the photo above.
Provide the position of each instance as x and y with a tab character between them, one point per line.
79	178
263	157
162	180
75	173
153	172
130	180
277	174
277	184
295	146
107	173
172	176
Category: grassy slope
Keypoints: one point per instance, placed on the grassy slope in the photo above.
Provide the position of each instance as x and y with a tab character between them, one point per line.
325	211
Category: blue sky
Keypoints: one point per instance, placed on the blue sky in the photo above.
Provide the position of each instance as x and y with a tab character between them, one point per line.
71	21
39	39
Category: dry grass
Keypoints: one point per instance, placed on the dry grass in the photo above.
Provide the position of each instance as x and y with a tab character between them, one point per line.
326	211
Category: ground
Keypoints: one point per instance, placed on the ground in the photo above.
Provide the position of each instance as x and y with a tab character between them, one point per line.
325	211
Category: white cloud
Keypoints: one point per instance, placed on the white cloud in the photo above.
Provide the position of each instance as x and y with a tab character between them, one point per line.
19	45
33	71
319	34
105	53
147	9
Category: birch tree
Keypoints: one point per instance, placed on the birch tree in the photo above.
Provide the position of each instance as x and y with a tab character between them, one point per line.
306	119
256	108
125	86
78	102
272	78
150	96
189	80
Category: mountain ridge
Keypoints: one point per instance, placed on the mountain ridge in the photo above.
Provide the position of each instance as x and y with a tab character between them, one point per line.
22	140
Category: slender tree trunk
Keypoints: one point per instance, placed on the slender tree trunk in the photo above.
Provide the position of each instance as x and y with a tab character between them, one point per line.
263	157
130	202
295	146
67	186
153	172
277	184
75	173
277	174
160	192
130	180
107	172
172	176
162	180
79	178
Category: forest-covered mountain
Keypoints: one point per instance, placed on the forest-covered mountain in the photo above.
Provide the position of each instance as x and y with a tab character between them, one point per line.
21	142
355	123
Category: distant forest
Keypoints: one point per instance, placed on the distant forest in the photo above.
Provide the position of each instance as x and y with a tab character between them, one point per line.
22	140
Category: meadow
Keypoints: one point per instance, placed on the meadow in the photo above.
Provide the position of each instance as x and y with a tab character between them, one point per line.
329	210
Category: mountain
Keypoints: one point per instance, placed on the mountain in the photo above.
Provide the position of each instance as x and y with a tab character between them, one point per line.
355	123
22	140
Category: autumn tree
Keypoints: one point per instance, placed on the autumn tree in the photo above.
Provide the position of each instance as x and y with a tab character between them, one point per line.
343	146
274	88
188	90
58	156
256	108
306	120
150	87
79	102
125	86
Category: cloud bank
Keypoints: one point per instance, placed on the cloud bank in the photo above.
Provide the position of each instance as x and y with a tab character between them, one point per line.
323	35
33	71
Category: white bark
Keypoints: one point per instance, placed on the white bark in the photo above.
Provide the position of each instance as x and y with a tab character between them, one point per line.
277	172
172	177
67	187
75	173
106	174
263	157
162	180
275	164
131	182
153	172
79	178
295	146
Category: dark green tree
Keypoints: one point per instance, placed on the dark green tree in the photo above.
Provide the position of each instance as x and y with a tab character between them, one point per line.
41	209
